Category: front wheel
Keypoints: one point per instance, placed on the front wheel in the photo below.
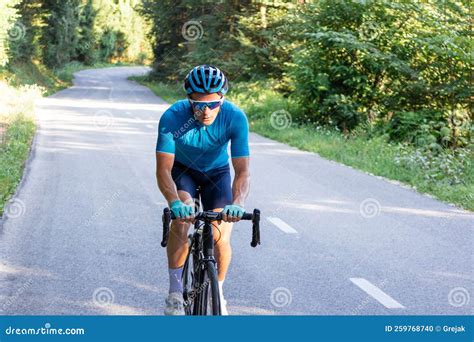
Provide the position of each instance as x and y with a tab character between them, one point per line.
189	280
209	300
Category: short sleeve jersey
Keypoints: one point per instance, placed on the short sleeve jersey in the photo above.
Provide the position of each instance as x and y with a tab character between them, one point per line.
203	147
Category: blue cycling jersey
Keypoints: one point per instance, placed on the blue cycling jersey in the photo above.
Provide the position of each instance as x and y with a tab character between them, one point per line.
203	147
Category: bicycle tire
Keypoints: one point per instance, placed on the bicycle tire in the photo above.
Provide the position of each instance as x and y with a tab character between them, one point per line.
189	278
210	303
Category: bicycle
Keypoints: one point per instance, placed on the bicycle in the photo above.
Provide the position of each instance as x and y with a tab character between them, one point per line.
200	285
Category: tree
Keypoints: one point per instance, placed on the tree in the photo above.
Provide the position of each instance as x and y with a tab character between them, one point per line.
86	47
61	34
8	15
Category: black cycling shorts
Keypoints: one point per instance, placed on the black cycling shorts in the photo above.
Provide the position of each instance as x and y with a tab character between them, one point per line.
213	187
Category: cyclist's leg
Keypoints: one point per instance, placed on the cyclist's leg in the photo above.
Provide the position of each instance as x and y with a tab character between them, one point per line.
215	194
178	238
223	248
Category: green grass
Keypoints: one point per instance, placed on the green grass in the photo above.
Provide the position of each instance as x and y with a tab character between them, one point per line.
13	153
371	154
17	130
32	73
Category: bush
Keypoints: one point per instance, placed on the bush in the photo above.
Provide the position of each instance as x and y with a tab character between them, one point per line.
438	166
259	100
364	61
431	127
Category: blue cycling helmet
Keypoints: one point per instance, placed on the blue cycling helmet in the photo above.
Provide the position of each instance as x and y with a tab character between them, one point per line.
206	79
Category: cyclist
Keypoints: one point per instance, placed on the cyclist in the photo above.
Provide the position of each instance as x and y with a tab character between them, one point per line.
192	162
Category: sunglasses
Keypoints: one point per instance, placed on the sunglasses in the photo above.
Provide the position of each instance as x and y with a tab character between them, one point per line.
201	105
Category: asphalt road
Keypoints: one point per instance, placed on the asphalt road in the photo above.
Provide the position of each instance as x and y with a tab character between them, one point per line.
82	234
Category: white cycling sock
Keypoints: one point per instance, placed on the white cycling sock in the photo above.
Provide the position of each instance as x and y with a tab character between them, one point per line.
221	291
176	284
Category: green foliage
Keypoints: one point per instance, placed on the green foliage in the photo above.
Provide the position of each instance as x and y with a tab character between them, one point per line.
437	166
169	46
13	153
26	73
238	36
363	61
260	100
58	32
8	15
120	31
16	132
86	49
61	34
400	66
428	127
28	27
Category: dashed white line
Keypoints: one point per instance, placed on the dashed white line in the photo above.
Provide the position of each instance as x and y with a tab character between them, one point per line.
376	293
285	227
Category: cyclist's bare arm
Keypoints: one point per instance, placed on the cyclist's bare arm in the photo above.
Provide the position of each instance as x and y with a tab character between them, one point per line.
164	164
241	184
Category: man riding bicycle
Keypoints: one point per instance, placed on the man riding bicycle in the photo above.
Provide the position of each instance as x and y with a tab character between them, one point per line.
192	163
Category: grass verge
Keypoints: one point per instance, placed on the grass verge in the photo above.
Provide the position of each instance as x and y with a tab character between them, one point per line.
17	129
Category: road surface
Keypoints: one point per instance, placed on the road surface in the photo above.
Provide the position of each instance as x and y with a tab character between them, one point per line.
81	236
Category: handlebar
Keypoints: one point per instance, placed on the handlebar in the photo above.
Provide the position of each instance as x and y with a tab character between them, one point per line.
210	216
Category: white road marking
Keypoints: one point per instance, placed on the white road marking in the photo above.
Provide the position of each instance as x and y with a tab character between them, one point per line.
377	293
282	225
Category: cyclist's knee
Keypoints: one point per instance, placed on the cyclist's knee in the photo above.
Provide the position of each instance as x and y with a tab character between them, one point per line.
222	236
223	244
180	229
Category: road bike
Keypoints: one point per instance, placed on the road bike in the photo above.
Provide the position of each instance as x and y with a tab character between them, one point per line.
200	285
